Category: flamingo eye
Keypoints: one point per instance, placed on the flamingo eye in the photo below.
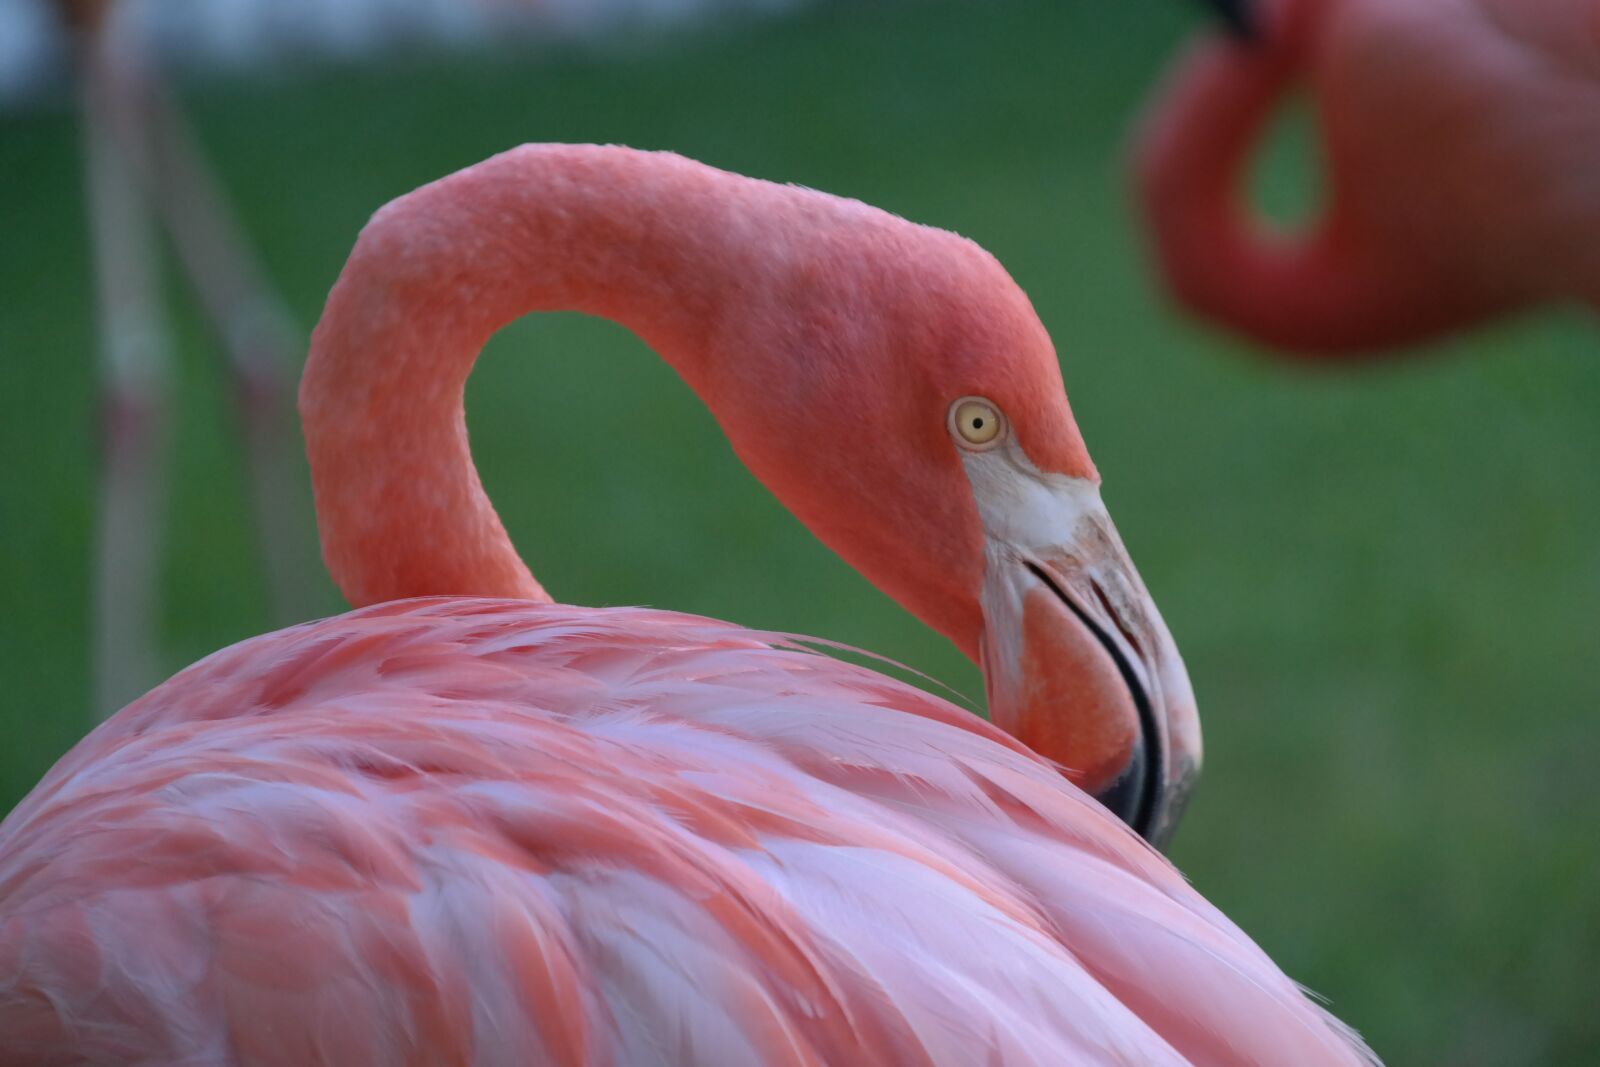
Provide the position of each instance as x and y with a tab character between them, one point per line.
976	423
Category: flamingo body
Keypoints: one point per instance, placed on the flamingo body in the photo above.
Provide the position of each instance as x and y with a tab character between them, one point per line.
1460	141
482	828
472	831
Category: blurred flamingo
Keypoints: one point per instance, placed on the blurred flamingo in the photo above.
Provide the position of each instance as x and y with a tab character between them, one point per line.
144	172
1461	142
480	827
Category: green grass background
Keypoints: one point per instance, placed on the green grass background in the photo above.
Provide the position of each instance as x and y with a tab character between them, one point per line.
1385	583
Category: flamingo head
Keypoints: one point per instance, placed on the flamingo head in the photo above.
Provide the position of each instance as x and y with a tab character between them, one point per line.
888	382
893	386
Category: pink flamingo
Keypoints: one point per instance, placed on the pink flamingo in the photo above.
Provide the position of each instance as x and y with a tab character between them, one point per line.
1462	148
479	827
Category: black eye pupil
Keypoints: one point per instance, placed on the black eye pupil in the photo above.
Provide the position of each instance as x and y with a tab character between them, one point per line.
977	424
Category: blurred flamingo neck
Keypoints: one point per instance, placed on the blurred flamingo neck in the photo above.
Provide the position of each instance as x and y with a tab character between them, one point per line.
1329	289
400	507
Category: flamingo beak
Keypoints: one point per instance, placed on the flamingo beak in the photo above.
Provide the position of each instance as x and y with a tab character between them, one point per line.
1080	666
1239	16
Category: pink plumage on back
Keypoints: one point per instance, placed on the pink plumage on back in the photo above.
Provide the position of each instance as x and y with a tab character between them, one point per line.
472	830
454	831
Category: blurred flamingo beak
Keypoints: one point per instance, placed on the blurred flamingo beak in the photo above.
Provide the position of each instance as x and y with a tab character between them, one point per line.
1239	16
1081	668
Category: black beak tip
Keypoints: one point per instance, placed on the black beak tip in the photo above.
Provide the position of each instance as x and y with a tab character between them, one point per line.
1238	16
1130	796
1151	807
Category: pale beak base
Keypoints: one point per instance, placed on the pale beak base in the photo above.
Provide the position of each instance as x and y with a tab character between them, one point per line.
1078	663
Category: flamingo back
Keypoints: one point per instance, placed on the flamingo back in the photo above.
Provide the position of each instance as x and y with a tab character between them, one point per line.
469	831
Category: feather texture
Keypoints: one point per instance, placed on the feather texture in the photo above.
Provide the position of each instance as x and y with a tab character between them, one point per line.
468	831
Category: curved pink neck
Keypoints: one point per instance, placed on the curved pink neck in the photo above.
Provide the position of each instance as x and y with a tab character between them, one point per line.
1322	292
606	231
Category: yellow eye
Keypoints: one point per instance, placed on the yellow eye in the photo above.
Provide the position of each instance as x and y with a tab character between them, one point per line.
976	423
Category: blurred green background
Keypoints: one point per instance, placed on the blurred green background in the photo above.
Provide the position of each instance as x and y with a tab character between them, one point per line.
1385	583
